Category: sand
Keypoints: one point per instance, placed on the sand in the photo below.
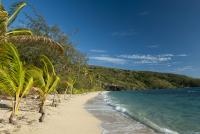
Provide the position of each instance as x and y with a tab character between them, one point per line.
69	117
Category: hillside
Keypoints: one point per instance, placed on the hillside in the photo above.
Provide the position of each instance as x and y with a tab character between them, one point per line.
116	79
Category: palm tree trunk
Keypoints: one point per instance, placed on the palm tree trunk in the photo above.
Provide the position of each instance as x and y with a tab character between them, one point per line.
54	101
42	107
65	93
71	91
13	117
42	111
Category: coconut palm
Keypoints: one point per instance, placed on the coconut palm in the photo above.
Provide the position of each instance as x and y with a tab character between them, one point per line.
70	83
20	35
14	79
45	80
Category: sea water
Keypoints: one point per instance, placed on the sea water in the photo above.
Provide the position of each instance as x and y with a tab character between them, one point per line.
169	111
113	121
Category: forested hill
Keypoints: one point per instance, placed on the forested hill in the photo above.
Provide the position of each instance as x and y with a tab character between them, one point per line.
116	79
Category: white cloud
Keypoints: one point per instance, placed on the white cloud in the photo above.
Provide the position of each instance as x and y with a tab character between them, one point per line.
166	55
151	59
109	59
143	59
97	51
182	55
136	59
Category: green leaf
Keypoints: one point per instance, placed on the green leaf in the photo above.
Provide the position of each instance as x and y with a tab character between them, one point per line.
16	8
19	31
36	40
27	87
54	85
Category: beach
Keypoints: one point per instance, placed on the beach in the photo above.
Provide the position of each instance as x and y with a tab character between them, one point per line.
96	113
70	116
113	119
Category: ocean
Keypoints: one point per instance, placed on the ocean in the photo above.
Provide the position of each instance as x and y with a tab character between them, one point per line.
168	111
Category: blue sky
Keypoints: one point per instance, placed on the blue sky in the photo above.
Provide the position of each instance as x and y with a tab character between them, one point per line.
152	35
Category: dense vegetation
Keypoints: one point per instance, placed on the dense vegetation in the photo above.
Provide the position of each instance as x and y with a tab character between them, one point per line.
16	79
116	79
70	66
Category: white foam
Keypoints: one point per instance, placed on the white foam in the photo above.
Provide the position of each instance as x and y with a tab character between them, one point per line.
157	127
143	120
168	131
120	109
117	108
123	110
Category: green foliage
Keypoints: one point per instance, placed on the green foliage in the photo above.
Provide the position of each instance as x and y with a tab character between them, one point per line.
20	35
71	65
45	79
125	79
14	78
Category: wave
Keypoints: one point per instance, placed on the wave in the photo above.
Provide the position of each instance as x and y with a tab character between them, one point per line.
137	117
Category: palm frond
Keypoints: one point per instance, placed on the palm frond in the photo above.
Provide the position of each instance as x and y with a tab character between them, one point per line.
27	87
3	20
9	59
36	40
47	64
49	80
6	83
11	55
37	75
15	9
54	85
19	31
12	72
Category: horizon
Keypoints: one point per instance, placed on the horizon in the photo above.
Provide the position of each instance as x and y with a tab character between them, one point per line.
159	36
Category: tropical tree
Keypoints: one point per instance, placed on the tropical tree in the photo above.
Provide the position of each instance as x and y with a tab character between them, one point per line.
70	83
14	78
45	80
20	35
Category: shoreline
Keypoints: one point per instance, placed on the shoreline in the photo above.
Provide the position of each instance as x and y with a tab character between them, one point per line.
114	121
70	116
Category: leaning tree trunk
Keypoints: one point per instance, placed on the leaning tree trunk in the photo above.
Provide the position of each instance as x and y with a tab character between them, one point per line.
42	111
65	93
13	117
71	92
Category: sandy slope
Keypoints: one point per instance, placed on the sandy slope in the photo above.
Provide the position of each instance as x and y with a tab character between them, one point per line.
70	117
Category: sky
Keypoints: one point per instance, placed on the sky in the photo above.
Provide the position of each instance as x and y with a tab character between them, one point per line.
151	35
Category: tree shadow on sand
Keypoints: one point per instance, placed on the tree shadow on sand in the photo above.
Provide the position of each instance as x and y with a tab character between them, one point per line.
5	107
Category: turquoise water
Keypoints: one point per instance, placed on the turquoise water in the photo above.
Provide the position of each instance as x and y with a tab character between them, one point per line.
167	111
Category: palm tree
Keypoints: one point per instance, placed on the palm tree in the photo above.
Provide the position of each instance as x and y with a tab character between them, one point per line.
70	83
45	80
14	78
20	35
91	79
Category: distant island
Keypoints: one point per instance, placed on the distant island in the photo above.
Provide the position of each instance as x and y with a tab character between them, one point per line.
119	79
